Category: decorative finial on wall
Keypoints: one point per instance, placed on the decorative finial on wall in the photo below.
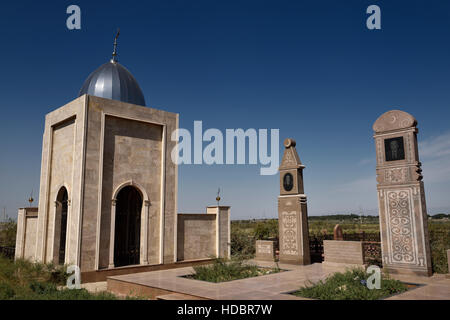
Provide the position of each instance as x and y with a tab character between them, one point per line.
114	54
30	200
218	197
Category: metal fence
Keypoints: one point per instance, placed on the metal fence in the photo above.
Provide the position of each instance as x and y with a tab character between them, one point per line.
8	252
362	236
372	253
371	246
316	246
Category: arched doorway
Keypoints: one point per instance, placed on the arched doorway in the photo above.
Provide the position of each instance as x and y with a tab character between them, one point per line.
61	224
127	238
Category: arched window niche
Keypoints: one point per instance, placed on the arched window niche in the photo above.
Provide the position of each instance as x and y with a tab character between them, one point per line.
61	213
129	226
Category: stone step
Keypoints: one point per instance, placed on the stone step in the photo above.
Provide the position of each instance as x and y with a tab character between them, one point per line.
177	296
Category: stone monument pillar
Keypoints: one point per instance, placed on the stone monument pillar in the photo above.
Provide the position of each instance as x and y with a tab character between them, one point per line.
292	209
401	197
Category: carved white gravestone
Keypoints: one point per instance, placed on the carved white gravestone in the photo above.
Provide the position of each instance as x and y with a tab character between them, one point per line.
401	197
292	209
265	250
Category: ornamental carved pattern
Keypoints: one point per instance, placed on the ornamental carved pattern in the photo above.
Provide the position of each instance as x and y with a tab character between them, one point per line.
393	120
400	226
264	248
288	158
396	175
289	223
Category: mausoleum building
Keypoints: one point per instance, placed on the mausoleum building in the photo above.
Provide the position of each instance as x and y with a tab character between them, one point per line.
108	186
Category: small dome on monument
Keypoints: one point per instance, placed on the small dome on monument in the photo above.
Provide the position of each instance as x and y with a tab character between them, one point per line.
113	81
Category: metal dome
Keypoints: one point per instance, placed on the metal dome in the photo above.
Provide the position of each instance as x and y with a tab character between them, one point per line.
113	81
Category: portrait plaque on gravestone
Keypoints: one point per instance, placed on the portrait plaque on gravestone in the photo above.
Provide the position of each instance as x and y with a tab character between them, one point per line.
288	182
394	149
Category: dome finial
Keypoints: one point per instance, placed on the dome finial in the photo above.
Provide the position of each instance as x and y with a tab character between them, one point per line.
114	54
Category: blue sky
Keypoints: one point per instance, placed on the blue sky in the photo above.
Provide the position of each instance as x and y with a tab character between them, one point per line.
310	68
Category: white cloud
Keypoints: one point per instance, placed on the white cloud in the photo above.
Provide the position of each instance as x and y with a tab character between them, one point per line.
344	197
435	147
434	154
359	185
366	161
435	157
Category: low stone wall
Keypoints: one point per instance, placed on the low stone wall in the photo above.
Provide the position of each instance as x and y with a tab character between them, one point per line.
196	236
203	235
265	250
26	233
343	252
448	263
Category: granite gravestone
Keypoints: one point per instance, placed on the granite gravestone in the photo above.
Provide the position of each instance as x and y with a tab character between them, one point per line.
337	233
401	195
292	209
265	250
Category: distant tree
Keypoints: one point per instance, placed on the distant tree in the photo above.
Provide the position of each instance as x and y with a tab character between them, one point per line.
440	216
8	233
266	229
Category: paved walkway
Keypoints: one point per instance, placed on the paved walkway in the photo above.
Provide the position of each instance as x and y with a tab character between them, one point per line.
271	287
436	287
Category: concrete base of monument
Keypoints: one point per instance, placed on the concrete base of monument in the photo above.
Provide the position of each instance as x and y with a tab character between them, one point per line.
265	259
408	271
130	288
101	275
302	261
327	264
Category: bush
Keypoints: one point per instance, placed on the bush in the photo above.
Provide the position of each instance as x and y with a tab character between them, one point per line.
226	270
242	244
8	231
350	285
439	243
6	291
24	280
265	230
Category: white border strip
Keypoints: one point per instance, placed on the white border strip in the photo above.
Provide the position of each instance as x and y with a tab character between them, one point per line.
100	189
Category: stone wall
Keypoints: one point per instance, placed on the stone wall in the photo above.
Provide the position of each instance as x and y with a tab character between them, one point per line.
129	145
196	236
61	166
448	260
26	233
343	252
61	171
223	229
94	147
202	235
131	152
